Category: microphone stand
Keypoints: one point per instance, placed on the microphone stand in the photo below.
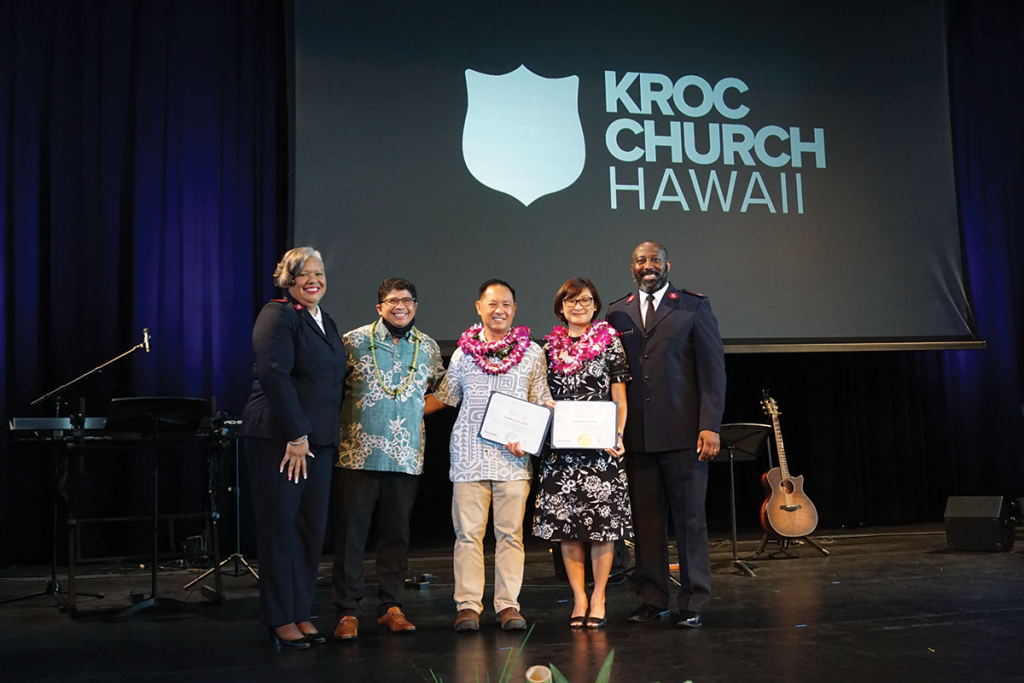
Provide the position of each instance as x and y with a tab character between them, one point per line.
143	345
53	586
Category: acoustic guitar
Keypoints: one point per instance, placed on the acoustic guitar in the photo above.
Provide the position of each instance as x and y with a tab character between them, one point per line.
786	511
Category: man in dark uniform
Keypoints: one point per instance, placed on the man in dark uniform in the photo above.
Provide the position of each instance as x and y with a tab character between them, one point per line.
675	400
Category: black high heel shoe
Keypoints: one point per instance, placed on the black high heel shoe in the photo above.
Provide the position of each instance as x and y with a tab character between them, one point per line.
314	638
279	642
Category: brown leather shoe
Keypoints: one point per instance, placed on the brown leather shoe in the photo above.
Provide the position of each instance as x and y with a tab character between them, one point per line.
347	628
396	621
467	620
511	619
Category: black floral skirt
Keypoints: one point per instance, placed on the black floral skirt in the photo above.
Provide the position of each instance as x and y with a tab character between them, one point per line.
583	496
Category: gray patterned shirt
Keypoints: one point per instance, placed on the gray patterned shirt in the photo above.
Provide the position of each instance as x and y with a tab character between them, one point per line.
473	458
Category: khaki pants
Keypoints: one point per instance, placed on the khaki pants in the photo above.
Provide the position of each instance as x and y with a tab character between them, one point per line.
471	503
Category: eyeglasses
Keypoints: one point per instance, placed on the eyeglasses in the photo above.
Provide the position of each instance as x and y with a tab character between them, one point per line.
584	301
391	303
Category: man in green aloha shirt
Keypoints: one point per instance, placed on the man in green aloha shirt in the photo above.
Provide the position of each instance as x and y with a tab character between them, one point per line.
392	367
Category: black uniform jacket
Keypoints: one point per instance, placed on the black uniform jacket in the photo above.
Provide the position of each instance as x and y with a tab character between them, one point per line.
298	376
678	368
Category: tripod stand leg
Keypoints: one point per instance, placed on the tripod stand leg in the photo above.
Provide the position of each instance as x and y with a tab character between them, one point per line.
761	546
237	558
745	567
26	597
814	545
248	567
202	575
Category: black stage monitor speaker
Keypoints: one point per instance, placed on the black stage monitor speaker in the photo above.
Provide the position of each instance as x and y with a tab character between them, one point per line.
978	523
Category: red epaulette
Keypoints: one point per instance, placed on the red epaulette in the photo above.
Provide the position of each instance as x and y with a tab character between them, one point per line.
702	296
298	307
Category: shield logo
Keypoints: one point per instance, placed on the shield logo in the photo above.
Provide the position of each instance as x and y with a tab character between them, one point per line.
523	134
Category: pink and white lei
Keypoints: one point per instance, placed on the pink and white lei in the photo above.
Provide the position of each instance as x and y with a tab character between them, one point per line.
568	356
497	357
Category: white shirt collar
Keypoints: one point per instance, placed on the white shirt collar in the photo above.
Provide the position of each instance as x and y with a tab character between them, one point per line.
657	297
319	318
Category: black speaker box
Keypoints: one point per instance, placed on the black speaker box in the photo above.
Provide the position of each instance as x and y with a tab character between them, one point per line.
978	523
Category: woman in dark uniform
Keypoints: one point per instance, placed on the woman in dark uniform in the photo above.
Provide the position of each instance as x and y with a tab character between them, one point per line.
290	430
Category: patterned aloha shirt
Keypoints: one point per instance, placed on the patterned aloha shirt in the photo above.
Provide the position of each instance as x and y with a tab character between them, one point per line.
379	432
473	458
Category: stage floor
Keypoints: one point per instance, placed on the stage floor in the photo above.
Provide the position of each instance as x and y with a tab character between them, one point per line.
887	605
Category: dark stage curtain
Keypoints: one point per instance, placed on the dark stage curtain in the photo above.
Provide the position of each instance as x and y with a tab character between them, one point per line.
142	184
885	438
987	389
143	170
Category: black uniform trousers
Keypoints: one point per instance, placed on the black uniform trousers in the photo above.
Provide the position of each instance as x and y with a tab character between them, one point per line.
661	483
360	497
291	520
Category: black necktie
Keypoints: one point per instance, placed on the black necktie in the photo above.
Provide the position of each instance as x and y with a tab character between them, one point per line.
649	313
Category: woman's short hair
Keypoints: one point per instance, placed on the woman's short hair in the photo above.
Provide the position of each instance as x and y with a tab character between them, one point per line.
572	289
291	265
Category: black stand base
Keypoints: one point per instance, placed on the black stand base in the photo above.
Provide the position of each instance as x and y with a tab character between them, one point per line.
239	561
744	567
784	545
53	588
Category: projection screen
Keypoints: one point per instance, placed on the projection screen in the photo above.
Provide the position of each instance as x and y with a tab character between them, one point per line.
795	159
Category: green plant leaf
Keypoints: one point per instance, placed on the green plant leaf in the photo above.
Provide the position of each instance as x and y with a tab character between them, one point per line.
510	662
606	669
556	675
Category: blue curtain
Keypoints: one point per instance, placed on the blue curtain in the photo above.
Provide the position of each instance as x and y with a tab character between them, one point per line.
143	157
987	388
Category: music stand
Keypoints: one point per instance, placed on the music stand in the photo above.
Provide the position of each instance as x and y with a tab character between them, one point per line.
744	440
154	415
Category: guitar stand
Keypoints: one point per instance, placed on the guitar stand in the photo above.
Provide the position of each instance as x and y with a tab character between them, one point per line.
784	544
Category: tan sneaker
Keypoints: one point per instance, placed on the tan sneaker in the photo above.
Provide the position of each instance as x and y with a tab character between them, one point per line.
467	620
347	628
396	621
511	619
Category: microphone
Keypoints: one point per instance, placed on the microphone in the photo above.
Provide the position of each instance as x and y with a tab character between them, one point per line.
145	338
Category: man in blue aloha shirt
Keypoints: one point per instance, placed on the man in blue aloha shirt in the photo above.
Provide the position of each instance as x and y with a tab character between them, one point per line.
392	367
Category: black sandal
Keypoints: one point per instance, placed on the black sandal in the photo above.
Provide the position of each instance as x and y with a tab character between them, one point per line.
577	622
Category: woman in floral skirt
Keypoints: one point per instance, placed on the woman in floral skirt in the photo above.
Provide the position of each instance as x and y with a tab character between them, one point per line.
583	495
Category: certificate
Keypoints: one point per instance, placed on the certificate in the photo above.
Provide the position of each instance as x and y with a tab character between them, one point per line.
585	424
509	419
